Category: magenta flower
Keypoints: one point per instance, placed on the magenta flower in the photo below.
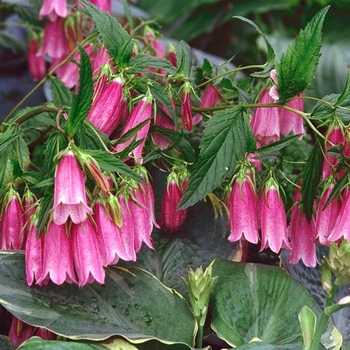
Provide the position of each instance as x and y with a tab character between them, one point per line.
243	200
103	5
53	9
303	236
105	112
326	217
19	331
69	194
141	112
265	122
36	63
57	256
33	256
186	107
111	244
164	122
209	98
273	220
86	253
171	219
11	222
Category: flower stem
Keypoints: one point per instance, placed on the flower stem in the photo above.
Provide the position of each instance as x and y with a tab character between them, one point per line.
200	336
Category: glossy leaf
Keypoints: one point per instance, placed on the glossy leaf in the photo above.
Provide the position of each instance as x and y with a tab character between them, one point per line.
6	344
82	102
298	64
273	299
116	39
132	303
310	179
225	141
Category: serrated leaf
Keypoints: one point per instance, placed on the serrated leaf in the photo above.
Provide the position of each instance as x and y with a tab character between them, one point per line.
54	144
159	94
61	95
116	39
210	70
337	189
276	146
6	168
177	139
186	61
346	91
142	61
270	51
82	102
225	141
109	162
22	153
310	179
298	64
46	204
89	137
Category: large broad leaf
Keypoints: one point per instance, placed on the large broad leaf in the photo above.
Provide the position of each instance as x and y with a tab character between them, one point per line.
298	64
225	141
257	301
132	303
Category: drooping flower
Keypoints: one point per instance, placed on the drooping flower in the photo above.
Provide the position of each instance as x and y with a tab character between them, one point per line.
19	331
302	235
103	5
142	112
69	193
86	252
53	9
171	219
186	106
57	256
243	210
105	112
273	222
36	63
265	122
209	98
11	222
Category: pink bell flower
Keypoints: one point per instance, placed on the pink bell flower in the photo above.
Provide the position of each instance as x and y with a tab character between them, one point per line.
243	211
273	222
141	112
36	63
19	331
105	112
34	255
302	235
209	98
69	193
186	106
111	244
172	219
103	5
11	222
86	253
265	122
326	217
57	256
53	9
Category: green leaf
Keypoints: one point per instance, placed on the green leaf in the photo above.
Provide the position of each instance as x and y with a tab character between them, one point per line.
116	39
298	64
157	91
307	320
142	61
225	141
22	153
6	344
82	103
310	179
132	303
61	95
346	91
89	137
270	51
276	146
6	168
109	162
46	204
257	301
178	139
54	144
338	189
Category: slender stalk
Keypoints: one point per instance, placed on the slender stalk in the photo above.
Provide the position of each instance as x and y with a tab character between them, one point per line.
200	336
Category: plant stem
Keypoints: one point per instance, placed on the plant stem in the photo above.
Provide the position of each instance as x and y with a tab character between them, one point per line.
200	336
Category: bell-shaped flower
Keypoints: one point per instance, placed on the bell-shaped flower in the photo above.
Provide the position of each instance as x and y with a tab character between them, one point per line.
69	193
105	112
11	222
57	256
19	331
326	217
265	121
341	227
34	255
186	106
209	98
103	5
86	253
243	210
142	112
273	222
111	244
171	218
36	63
53	9
302	235
29	205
